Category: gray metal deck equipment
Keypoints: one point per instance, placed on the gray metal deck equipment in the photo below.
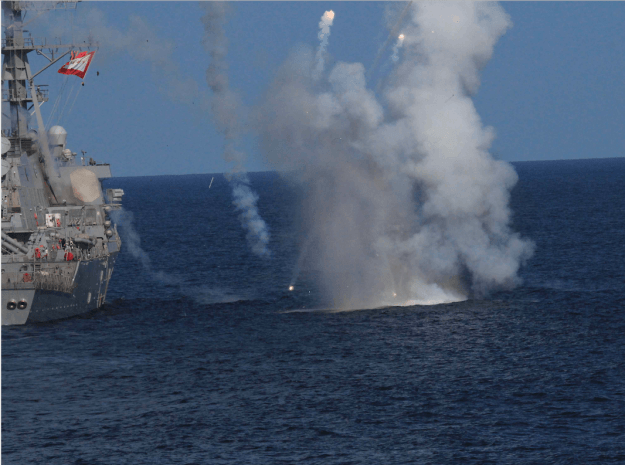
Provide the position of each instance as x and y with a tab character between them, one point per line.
58	243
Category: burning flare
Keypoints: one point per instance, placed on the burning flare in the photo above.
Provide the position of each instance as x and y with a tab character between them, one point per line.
324	26
396	47
401	199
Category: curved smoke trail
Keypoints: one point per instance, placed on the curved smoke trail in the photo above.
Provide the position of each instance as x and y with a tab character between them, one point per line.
131	243
396	47
226	109
403	200
324	33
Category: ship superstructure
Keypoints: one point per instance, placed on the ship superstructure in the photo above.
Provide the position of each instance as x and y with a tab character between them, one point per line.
59	244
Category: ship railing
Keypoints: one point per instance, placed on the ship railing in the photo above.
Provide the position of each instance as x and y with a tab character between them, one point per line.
13	95
32	43
46	6
49	281
26	42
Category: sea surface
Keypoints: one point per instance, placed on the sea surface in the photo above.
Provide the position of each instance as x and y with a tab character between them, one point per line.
199	358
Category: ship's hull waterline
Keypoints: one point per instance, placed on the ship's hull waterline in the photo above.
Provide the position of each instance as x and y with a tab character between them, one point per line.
42	305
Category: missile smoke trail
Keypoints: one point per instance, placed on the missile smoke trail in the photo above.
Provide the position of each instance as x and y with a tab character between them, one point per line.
390	37
324	26
226	109
396	47
404	201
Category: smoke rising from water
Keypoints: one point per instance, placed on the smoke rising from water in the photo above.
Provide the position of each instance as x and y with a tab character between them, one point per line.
227	110
131	242
245	202
403	204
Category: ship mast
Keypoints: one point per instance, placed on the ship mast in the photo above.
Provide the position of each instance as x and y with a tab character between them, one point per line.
22	91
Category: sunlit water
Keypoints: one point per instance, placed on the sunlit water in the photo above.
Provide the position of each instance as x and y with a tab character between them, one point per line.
225	365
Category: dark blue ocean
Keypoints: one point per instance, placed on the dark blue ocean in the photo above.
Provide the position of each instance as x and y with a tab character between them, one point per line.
211	368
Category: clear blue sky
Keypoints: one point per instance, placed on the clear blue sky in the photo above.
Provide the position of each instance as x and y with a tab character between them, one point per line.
554	88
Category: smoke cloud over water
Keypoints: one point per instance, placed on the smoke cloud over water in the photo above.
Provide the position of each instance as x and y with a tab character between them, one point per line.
404	205
227	111
131	243
245	202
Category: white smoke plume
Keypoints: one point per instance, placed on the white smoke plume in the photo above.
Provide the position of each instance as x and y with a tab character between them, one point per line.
404	204
324	32
396	47
227	111
245	201
131	243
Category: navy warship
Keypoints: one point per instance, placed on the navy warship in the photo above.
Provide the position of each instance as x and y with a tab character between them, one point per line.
59	244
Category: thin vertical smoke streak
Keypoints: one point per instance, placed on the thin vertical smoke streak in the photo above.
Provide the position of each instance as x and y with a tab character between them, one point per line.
226	110
300	260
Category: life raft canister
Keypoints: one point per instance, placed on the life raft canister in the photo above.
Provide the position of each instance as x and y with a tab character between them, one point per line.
69	256
27	278
58	222
37	252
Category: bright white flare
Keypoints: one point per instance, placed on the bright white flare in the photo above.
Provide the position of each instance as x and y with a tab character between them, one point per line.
328	17
396	47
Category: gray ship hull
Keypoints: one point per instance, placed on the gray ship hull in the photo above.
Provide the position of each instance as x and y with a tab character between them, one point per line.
58	241
91	280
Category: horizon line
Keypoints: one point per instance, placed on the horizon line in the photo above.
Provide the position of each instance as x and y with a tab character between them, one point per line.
278	171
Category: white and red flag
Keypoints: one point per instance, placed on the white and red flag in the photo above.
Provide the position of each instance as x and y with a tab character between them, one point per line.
78	64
